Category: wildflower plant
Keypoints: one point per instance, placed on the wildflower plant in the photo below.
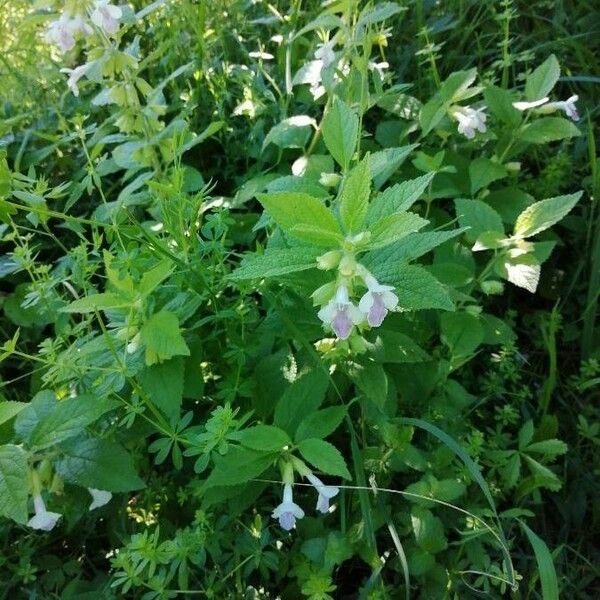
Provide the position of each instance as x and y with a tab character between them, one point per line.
254	278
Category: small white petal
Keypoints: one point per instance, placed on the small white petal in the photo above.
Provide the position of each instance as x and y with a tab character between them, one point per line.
99	498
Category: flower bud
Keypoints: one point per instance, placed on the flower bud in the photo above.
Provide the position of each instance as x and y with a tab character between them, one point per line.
329	260
492	287
329	179
347	266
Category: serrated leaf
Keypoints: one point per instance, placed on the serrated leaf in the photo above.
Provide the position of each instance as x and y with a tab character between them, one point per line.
543	214
478	217
385	162
265	438
14	483
416	288
163	382
10	409
239	465
393	228
340	132
483	171
500	104
541	81
461	332
323	456
274	263
292	132
523	271
549	448
304	396
398	198
321	423
162	338
428	530
100	464
549	129
354	197
302	216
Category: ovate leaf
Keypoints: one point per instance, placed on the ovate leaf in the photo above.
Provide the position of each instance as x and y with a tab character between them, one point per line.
14	478
542	215
354	197
540	83
325	457
340	132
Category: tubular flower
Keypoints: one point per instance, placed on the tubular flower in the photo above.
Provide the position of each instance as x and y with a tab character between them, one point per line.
42	519
469	120
567	105
106	16
60	32
325	53
74	76
288	511
326	492
377	301
99	498
341	314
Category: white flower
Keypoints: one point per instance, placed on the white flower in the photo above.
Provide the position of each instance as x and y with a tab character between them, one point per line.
74	76
341	314
325	53
288	511
380	67
470	119
567	105
106	16
78	24
326	492
42	519
526	105
376	303
60	32
99	498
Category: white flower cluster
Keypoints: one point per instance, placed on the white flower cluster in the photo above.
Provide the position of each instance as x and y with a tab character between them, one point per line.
470	120
68	26
340	312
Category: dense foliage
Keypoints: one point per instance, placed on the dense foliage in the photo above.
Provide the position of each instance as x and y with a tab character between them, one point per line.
299	299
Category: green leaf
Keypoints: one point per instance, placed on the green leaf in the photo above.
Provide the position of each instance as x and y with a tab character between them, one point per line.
10	409
340	132
321	423
303	216
14	483
549	448
100	464
304	396
277	262
545	564
94	302
265	438
540	83
385	162
461	332
153	278
548	129
46	421
163	382
398	198
428	530
325	457
416	288
478	217
372	381
239	465
543	214
523	271
290	133
396	347
162	338
500	104
354	197
483	171
393	228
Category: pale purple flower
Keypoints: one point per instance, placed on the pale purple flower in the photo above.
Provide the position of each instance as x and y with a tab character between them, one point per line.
567	105
60	32
99	498
288	511
106	16
74	76
341	314
42	519
377	301
470	120
326	492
